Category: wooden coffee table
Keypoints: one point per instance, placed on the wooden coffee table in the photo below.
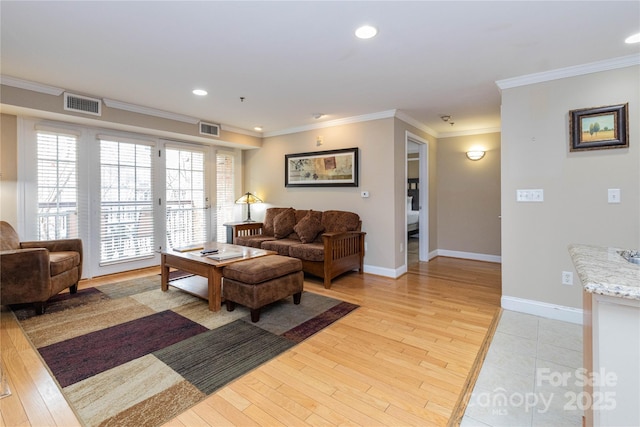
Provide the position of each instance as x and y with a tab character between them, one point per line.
193	262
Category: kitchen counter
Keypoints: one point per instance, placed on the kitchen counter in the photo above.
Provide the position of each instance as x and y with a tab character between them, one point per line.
611	318
604	271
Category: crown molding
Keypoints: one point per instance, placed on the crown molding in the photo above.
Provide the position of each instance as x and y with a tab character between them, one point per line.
578	70
413	122
401	115
330	123
469	132
112	103
234	129
32	86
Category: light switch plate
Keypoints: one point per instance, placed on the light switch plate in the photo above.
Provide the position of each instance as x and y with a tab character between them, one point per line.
613	195
530	195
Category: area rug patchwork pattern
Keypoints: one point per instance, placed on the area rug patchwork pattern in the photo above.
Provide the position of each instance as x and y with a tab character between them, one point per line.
130	354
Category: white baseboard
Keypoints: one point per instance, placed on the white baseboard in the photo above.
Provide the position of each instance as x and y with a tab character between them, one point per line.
397	272
386	272
542	309
469	255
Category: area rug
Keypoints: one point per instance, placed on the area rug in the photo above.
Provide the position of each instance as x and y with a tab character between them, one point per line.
128	354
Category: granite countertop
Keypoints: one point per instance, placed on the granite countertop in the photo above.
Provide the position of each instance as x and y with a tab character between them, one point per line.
604	271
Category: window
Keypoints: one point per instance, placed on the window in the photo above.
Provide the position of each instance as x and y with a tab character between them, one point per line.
186	202
126	201
57	214
225	198
128	196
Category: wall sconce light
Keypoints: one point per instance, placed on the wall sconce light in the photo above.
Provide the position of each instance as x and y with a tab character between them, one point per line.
248	199
475	155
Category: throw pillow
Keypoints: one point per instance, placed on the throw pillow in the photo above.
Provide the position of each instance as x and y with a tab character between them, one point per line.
267	225
283	223
308	228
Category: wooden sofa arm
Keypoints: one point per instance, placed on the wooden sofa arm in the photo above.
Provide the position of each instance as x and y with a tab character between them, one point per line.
339	245
248	229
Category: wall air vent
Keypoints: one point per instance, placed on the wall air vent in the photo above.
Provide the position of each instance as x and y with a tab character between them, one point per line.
209	129
82	104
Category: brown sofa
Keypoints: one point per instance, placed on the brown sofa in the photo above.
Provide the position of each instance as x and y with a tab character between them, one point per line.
328	243
33	272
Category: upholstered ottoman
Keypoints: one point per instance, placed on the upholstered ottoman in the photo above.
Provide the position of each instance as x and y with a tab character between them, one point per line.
260	281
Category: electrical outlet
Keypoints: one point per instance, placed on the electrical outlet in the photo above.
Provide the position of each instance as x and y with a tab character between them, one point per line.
567	278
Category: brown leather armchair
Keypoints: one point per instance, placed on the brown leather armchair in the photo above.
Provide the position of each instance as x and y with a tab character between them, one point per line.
33	272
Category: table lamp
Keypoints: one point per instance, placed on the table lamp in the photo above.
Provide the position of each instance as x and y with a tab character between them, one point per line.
249	199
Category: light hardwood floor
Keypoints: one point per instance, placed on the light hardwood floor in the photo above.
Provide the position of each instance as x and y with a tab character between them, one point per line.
407	356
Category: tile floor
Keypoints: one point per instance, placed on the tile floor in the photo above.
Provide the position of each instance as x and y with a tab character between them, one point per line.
531	375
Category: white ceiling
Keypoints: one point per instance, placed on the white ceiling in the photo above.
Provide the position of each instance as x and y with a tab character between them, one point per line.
292	59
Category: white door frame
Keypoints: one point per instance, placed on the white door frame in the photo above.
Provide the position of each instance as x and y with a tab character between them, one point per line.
423	176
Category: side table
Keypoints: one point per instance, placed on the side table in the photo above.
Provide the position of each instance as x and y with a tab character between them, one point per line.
229	226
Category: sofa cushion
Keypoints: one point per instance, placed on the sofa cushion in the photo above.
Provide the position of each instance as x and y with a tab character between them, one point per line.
281	246
339	221
269	216
59	262
253	241
301	213
309	227
258	270
283	223
308	251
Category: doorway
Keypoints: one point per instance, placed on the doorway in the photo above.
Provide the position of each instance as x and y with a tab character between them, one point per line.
417	206
187	195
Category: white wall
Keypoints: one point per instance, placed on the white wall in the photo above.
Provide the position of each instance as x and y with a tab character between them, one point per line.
535	155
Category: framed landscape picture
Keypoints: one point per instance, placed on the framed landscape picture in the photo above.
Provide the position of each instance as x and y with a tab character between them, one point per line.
334	168
599	128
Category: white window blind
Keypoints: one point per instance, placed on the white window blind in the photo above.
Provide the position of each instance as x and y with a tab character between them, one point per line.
57	157
186	201
225	198
126	201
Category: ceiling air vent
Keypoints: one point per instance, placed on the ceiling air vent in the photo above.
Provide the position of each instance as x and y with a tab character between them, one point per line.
209	129
82	104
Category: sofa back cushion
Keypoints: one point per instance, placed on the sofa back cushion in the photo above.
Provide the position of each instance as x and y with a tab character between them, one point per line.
289	224
9	239
338	221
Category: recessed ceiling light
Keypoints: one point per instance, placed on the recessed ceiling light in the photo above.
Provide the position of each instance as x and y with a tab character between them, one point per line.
199	92
258	128
633	39
366	32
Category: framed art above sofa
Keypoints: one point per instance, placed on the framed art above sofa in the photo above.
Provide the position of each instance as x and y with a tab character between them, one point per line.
333	168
